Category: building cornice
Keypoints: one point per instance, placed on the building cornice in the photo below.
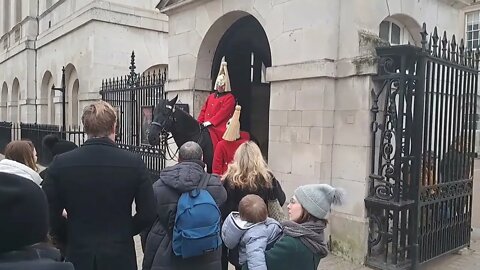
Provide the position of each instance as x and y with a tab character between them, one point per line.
173	6
458	3
97	11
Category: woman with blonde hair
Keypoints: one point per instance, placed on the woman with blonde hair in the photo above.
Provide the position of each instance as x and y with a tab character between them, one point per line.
21	159
248	174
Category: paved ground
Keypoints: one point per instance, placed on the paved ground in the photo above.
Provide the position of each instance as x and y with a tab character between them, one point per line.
331	262
465	259
468	259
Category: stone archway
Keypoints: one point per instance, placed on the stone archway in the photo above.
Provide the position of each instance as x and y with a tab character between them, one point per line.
46	110
241	38
72	89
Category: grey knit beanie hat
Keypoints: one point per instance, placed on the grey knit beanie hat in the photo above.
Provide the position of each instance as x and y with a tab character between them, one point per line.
317	199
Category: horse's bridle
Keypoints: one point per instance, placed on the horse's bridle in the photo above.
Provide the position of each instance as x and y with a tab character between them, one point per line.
170	118
163	125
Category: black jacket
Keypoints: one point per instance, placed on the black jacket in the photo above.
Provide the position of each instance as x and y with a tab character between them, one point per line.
175	180
235	194
36	257
97	184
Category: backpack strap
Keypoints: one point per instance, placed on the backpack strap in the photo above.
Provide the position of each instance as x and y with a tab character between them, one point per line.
201	185
204	182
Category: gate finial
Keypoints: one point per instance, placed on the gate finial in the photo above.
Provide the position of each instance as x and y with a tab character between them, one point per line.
453	45
424	35
444	45
132	77
435	41
461	50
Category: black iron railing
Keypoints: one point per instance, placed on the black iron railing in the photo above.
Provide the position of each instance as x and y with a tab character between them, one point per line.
423	133
134	96
35	133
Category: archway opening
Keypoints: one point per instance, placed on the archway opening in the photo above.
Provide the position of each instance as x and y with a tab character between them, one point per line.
3	102
246	49
74	100
72	84
14	105
46	105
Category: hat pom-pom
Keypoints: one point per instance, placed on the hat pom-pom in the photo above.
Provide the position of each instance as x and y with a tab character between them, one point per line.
338	196
50	140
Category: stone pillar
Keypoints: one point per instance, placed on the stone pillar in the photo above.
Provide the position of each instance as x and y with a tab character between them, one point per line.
42	110
27	111
12	107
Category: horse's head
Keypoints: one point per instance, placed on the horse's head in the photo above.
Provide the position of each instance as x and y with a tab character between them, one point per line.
162	120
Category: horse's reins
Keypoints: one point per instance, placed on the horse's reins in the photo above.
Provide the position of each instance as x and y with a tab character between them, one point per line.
164	131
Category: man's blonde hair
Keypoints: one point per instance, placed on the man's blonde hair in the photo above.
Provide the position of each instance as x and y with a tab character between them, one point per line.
99	119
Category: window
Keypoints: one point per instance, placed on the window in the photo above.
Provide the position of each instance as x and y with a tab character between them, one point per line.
390	32
395	32
472	29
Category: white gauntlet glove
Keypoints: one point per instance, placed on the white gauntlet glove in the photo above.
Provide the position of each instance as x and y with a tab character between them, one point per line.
206	124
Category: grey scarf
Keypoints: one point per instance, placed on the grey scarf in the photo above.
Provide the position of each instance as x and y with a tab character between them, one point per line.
310	233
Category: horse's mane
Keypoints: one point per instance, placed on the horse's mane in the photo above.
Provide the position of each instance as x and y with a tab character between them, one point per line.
185	115
190	124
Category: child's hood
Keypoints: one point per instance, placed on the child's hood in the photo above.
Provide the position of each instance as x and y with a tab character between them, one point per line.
233	229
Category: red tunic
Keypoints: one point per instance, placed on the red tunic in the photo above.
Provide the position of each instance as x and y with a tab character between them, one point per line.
225	151
218	109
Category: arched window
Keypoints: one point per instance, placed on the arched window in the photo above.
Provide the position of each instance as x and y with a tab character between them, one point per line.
72	83
395	32
3	102
74	100
14	106
45	103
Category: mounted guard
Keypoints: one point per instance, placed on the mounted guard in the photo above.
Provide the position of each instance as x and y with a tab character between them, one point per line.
219	106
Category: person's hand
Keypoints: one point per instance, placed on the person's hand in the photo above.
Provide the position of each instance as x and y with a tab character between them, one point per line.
206	124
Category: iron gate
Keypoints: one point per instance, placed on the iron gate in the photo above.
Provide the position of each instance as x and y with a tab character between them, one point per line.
134	96
423	134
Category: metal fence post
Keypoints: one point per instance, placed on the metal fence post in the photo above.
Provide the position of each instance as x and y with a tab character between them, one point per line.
62	90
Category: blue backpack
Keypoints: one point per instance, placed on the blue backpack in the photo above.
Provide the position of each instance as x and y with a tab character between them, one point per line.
197	223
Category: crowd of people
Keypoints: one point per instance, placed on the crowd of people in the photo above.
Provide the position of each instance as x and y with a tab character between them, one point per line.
77	213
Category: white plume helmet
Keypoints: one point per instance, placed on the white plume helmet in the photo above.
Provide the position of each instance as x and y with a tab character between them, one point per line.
223	78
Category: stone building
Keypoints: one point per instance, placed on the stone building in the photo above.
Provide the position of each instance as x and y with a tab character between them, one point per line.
93	39
302	70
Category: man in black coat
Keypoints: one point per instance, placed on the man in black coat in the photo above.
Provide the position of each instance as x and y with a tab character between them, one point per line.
24	227
175	180
96	184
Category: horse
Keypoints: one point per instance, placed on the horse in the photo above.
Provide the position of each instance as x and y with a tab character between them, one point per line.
182	126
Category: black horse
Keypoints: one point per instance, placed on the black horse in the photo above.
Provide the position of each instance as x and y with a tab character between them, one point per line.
183	127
